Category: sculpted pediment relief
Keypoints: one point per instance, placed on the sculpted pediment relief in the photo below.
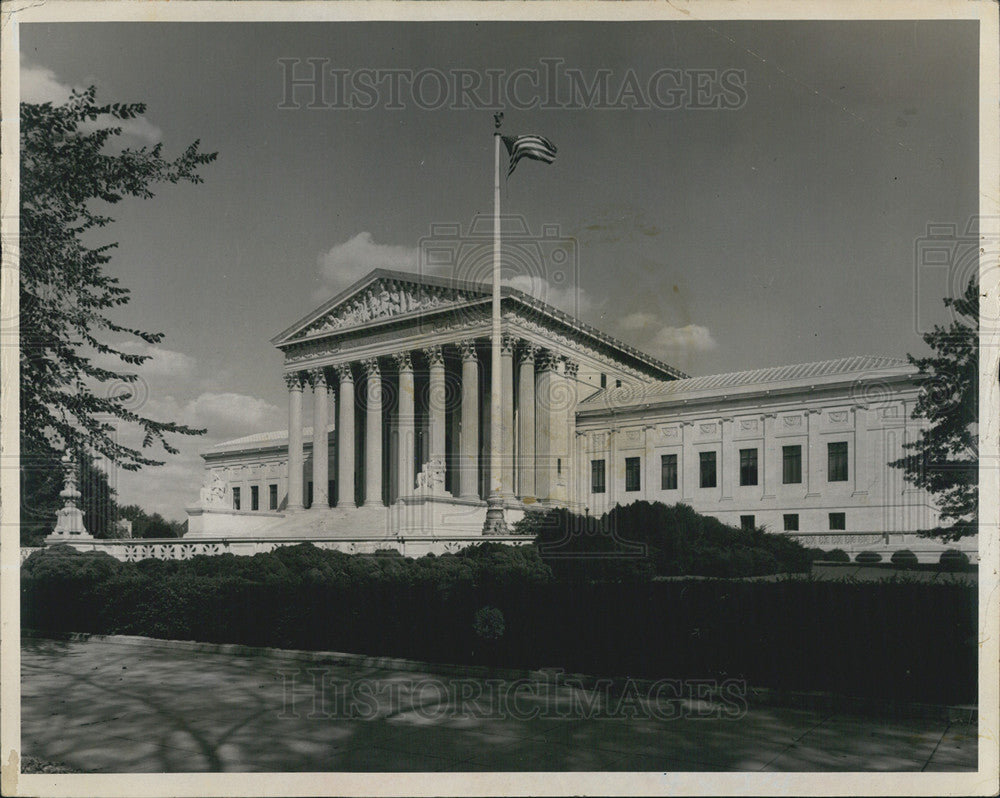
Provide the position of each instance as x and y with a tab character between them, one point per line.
381	300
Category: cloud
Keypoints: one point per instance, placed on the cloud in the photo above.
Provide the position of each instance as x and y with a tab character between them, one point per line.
349	261
162	363
227	414
41	85
687	339
666	341
639	321
570	299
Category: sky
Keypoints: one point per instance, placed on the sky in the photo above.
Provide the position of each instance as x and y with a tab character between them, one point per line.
774	215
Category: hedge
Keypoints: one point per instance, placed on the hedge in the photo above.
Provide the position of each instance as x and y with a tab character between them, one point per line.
641	539
502	606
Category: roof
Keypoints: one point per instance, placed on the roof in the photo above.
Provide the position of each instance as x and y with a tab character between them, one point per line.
260	440
755	380
483	293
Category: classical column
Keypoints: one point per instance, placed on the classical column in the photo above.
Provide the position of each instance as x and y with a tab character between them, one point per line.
405	423
294	383
812	453
567	417
507	415
770	464
321	445
526	422
548	392
690	467
345	437
727	464
468	469
373	434
860	475
436	399
650	473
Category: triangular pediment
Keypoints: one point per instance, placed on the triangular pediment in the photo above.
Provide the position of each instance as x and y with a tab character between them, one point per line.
382	295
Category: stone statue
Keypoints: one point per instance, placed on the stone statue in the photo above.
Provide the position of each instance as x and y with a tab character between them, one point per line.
213	490
430	480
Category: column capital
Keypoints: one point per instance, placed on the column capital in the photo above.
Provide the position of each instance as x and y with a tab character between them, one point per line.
468	349
812	411
317	378
371	366
403	361
547	360
344	373
527	352
770	415
507	344
294	380
572	367
434	355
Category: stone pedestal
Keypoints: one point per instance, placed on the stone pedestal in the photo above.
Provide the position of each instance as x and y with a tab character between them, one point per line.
69	520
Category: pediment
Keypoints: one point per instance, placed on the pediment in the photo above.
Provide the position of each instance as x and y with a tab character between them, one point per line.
381	297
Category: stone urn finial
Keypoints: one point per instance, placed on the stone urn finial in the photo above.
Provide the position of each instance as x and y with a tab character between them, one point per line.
69	520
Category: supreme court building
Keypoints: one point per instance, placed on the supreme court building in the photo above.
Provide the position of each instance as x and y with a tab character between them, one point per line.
394	374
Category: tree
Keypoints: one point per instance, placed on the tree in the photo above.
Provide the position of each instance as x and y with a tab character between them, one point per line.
145	525
944	459
68	169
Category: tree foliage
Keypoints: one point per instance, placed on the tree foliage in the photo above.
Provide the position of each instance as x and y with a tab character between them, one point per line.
70	169
944	459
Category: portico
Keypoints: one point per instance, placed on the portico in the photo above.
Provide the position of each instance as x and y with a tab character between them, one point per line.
402	362
399	365
400	412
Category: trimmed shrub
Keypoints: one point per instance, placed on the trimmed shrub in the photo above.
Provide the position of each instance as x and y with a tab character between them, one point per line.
501	606
635	542
904	558
868	557
488	623
816	554
950	560
837	555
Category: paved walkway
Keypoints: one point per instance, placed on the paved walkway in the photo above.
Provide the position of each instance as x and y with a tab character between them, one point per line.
104	706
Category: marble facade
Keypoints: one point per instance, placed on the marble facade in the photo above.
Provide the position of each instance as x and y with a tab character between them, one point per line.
389	427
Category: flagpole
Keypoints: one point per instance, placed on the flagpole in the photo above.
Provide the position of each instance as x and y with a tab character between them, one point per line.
495	523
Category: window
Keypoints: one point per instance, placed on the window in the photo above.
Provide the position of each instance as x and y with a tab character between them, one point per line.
254	497
597	476
618	383
309	494
746	523
604	380
838	521
668	472
791	464
836	462
707	463
748	466
631	473
272	497
236	498
558	465
791	522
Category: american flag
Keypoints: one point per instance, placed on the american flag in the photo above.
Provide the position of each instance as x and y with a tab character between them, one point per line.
536	147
